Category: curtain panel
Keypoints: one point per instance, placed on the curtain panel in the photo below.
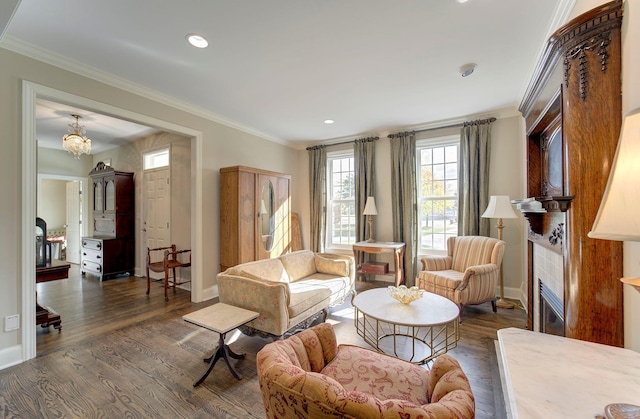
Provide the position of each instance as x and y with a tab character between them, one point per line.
364	153
473	180
404	200
317	192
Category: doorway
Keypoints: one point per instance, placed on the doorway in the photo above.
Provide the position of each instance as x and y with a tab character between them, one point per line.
31	91
60	202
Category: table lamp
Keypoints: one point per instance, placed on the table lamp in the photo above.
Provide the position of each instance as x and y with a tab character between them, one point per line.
500	207
370	210
617	217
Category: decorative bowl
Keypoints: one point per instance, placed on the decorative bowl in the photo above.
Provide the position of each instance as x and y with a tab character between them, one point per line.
406	295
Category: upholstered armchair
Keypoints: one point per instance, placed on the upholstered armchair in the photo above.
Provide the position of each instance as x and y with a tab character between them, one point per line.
468	274
308	375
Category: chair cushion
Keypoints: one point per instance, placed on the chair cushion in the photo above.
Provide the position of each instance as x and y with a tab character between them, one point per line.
383	376
266	269
299	264
442	279
471	251
338	267
304	295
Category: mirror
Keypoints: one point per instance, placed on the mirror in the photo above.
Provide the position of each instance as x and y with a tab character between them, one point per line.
266	215
552	175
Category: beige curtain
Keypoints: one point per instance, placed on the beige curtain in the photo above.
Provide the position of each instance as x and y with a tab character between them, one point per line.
317	191
364	153
473	181
404	200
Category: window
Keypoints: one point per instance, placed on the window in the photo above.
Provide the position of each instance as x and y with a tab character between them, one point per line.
437	192
156	159
341	201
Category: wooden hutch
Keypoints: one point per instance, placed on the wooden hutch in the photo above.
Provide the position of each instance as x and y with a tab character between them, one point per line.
572	111
110	250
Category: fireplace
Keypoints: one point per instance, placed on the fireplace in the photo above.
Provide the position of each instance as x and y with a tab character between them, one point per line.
551	312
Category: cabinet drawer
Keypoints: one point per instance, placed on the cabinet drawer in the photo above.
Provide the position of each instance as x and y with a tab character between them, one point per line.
92	255
92	244
90	266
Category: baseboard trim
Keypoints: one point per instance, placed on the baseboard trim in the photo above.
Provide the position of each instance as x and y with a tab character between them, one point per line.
10	356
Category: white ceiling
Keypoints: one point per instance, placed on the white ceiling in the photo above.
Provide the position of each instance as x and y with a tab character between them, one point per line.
279	68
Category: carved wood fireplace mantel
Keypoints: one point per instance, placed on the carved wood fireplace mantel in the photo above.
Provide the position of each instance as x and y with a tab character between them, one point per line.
573	111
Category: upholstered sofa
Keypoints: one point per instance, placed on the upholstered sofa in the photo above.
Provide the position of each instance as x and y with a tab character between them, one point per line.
309	375
289	291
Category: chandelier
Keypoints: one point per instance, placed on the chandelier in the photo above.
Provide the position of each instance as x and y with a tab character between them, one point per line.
75	142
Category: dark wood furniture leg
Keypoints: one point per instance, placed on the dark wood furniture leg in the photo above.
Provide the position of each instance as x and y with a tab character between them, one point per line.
222	351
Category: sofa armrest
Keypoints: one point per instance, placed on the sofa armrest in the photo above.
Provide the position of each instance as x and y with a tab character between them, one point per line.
478	273
270	299
436	263
341	259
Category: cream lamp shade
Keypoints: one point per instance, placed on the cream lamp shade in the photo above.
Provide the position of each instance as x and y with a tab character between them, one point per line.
370	207
499	207
617	218
370	210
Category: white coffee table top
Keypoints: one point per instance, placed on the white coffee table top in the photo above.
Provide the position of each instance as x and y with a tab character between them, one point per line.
220	317
430	310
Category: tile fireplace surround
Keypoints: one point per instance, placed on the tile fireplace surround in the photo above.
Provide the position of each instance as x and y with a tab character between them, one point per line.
548	268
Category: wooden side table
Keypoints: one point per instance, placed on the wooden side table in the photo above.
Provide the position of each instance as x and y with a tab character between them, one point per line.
397	248
221	318
52	271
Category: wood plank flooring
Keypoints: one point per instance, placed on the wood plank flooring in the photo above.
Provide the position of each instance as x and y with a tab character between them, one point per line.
122	353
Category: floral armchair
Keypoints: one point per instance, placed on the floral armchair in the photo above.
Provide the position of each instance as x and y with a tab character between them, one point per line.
309	375
468	274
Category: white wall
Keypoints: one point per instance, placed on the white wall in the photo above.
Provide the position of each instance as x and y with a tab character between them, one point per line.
52	202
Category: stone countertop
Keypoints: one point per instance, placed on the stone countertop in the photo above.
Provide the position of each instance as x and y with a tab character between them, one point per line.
547	376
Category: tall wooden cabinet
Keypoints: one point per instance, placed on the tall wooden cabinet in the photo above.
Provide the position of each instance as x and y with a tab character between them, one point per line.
110	249
255	215
572	111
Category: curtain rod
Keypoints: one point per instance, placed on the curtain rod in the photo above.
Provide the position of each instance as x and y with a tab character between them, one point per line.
462	124
315	147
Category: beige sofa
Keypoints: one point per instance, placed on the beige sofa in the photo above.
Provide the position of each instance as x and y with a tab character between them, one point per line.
289	291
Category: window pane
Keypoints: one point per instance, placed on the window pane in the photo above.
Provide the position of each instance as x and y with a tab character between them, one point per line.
438	195
341	222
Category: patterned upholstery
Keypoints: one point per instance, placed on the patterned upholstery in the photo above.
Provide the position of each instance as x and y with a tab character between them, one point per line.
288	291
468	274
308	375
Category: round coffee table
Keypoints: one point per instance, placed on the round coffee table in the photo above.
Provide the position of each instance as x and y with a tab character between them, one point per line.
416	332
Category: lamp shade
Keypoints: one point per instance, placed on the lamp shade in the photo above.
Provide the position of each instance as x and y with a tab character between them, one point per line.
370	207
499	207
617	217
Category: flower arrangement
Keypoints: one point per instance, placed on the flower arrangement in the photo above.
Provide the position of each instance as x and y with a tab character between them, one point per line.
406	295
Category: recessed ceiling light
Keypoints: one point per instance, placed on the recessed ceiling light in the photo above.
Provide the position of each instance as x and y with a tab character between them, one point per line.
462	1
197	40
329	121
467	69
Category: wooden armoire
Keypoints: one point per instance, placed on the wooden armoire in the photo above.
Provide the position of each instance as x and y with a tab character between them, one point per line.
255	215
572	112
110	249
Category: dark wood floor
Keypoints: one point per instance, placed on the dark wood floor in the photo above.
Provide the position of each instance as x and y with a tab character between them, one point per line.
122	353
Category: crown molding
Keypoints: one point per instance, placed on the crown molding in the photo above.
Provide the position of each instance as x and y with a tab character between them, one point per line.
31	51
560	16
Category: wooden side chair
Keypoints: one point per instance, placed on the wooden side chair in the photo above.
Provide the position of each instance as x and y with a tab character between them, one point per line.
170	260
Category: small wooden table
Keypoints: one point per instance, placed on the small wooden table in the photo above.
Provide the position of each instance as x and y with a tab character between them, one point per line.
221	318
56	269
397	248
